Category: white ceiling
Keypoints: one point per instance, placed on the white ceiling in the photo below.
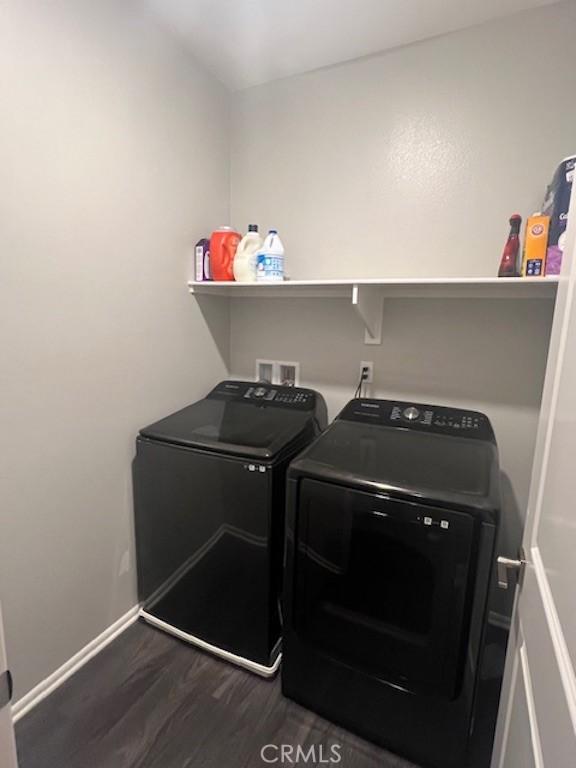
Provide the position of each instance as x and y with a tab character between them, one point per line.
247	42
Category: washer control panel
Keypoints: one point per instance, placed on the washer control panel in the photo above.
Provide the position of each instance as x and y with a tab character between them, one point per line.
266	394
437	417
423	418
284	395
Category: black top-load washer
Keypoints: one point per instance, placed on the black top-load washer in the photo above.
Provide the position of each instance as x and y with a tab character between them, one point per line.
392	515
209	500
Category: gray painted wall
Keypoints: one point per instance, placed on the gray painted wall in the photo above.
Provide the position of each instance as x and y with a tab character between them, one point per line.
114	159
409	163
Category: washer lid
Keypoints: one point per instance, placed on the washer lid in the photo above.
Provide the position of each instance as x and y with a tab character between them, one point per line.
434	468
235	427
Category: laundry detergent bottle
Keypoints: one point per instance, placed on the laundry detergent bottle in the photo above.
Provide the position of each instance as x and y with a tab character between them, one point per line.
270	259
223	244
245	258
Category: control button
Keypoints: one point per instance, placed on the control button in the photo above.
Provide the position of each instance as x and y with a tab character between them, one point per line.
444	523
427	521
411	413
259	392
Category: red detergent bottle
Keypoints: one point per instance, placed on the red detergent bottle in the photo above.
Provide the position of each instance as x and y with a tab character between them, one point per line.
223	244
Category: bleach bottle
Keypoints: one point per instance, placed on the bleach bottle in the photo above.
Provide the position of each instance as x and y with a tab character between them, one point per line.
270	259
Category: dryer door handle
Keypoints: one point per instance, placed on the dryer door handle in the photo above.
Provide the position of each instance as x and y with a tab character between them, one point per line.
507	565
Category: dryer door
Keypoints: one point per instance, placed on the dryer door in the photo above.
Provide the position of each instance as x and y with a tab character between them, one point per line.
384	586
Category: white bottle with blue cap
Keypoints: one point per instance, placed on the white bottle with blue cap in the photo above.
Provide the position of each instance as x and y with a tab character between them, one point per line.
270	259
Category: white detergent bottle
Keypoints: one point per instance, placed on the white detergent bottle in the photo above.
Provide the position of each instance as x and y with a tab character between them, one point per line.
245	259
270	259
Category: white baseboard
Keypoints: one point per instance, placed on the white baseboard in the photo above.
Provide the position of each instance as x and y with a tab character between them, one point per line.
53	681
233	658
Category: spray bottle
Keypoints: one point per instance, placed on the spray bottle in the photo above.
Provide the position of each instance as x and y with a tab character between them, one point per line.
509	261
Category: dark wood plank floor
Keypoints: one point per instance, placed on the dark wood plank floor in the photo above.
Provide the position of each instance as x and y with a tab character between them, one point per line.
150	701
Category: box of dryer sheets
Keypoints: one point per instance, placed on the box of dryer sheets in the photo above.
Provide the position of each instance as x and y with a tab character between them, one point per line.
556	206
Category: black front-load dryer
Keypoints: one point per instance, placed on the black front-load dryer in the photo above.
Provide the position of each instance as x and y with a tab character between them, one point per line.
392	516
209	500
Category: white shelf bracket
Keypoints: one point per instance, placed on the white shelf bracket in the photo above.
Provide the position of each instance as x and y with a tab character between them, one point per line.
368	301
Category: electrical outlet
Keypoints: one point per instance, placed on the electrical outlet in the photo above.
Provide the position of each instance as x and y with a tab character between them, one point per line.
369	365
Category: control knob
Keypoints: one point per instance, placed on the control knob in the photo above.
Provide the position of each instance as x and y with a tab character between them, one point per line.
411	413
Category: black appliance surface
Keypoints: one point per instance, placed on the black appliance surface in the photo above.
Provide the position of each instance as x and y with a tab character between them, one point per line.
391	521
242	419
209	500
437	453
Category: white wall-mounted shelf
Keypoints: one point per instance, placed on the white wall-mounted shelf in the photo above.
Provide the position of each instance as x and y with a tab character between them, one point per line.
367	295
455	287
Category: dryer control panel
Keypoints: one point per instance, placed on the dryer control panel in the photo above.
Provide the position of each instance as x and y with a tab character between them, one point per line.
424	418
266	394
